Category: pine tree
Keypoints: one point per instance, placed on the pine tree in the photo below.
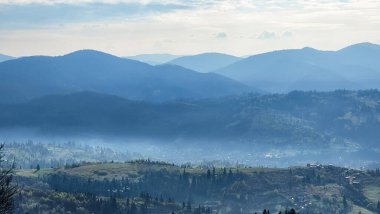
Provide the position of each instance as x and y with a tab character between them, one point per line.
133	208
345	205
188	206
7	190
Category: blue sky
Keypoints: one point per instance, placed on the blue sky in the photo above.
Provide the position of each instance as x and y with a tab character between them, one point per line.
130	27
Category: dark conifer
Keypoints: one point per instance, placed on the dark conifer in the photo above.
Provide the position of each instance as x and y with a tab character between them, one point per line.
7	190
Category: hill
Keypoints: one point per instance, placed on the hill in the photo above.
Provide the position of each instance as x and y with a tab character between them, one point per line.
206	62
31	77
354	67
154	59
158	186
303	117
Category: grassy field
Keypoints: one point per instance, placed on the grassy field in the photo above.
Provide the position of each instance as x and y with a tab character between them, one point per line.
373	193
135	169
357	209
33	173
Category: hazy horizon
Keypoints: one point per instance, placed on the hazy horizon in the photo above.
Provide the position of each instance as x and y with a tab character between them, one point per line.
131	27
208	52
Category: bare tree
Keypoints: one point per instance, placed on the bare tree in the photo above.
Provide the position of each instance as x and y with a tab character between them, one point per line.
7	189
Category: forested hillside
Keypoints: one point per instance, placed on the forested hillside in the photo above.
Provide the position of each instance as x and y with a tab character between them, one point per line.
145	186
308	117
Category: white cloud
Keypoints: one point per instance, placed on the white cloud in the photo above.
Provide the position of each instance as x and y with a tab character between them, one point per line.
50	2
221	35
317	23
287	34
267	35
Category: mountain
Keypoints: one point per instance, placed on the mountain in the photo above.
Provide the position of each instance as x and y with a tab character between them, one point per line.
30	77
297	118
5	57
154	59
363	54
353	67
205	62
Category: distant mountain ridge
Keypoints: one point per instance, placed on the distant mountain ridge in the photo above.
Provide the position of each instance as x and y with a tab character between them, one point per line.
354	67
206	62
5	57
31	77
154	59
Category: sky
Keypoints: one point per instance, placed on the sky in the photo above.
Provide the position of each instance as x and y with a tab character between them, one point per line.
183	27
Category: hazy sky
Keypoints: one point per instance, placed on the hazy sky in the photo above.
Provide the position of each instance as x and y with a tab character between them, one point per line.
129	27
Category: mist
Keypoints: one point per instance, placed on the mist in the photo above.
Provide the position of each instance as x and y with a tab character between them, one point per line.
245	153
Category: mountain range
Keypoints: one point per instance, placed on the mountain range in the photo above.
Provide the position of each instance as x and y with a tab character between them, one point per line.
29	77
199	76
354	67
